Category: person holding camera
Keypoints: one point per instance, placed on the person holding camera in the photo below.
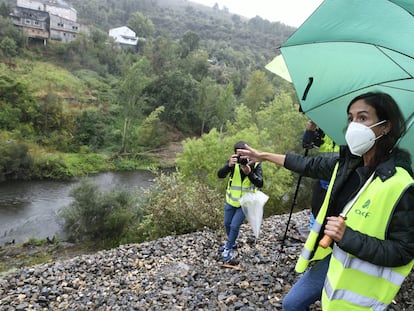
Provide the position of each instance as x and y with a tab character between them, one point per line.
314	137
243	178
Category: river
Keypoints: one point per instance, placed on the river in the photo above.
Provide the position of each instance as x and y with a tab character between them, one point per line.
29	209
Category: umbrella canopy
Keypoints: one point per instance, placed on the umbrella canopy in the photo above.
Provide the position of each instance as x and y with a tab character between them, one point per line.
349	47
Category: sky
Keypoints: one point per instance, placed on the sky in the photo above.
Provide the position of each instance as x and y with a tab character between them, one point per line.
289	12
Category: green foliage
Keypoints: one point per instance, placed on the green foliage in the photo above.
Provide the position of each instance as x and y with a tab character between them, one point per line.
276	131
176	91
45	77
5	9
16	102
189	42
203	157
50	167
15	162
65	166
258	91
100	87
91	129
150	133
175	205
11	38
205	106
141	25
196	64
164	55
8	46
132	99
96	217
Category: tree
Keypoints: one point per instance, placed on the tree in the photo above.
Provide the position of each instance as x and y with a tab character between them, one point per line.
131	96
90	129
177	92
142	25
5	10
15	161
206	103
8	46
17	104
151	132
258	91
196	64
225	105
164	56
189	43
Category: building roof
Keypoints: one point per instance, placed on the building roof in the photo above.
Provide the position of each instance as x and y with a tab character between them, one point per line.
58	3
30	14
124	35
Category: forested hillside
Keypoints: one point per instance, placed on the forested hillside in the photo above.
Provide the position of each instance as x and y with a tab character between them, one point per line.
72	108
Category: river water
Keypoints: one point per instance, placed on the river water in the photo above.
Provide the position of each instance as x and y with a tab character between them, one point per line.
29	209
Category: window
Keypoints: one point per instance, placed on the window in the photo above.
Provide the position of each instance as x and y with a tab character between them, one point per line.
27	21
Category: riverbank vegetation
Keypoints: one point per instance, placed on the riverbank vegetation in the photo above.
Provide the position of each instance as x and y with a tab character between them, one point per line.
198	79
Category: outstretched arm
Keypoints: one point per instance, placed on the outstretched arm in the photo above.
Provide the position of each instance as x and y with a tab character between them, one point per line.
260	156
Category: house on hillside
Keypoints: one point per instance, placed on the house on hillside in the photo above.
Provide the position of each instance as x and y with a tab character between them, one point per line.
62	22
34	23
63	29
54	7
124	36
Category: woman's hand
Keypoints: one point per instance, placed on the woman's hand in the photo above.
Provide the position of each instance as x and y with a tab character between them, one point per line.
335	227
250	153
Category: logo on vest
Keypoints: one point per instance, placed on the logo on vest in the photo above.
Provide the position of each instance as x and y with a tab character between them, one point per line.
363	210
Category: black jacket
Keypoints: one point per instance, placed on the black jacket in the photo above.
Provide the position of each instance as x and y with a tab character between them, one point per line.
398	247
255	176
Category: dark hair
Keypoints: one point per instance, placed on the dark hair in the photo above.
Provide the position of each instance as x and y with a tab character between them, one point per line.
239	145
386	109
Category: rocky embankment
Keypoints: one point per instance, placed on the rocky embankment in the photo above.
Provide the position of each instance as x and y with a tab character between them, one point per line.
173	273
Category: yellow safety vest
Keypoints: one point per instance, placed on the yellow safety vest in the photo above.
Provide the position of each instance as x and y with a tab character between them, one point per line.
236	188
328	145
311	250
355	284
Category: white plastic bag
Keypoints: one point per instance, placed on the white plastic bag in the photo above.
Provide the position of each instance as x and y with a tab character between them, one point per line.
252	204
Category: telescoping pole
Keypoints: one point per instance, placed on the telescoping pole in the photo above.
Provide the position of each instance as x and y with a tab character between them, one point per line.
294	203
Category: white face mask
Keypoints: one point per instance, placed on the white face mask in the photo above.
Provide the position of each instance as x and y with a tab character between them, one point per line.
360	138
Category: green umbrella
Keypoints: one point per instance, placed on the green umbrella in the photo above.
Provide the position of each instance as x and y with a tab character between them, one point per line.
349	47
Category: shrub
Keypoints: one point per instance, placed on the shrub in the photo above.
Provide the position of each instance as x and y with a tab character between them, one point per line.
99	218
15	162
177	206
50	167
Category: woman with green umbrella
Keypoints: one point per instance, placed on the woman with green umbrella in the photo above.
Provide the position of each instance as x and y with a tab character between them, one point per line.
367	214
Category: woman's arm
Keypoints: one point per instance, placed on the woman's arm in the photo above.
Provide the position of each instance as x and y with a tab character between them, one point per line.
261	156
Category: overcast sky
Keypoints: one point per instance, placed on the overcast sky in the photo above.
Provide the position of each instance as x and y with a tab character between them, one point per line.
289	12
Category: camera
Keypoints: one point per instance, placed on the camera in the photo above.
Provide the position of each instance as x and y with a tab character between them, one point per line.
313	139
242	161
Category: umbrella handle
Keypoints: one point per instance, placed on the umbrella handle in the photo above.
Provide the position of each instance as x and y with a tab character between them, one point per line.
327	240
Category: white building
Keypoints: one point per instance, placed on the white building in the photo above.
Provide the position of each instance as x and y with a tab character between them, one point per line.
125	36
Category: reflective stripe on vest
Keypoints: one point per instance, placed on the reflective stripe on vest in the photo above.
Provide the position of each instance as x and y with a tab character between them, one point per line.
309	252
236	188
355	284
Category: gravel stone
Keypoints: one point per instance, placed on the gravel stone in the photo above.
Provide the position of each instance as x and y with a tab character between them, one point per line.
174	273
